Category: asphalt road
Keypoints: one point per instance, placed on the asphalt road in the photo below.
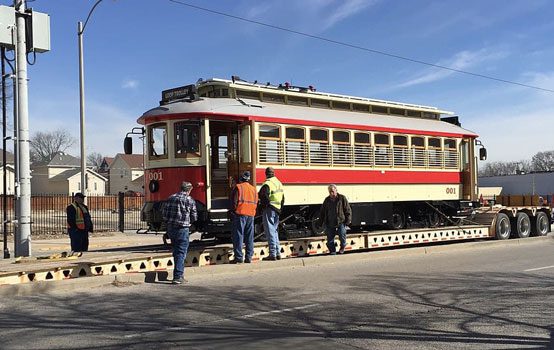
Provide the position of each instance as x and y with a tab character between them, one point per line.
498	296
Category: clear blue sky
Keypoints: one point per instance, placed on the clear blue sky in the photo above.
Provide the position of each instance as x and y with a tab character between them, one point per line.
136	48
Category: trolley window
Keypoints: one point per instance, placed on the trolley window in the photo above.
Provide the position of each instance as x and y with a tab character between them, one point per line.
270	146
382	139
434	143
341	136
379	109
435	154
319	147
295	134
362	138
319	103
275	98
398	111
295	145
418	151
187	139
319	135
342	154
400	141
157	137
270	132
341	105
401	156
451	157
418	142
383	153
449	144
363	153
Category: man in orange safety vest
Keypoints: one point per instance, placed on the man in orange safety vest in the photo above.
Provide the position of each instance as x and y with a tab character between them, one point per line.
245	200
79	223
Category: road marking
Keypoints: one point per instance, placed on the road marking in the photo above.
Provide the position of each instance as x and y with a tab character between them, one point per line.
539	268
279	311
176	328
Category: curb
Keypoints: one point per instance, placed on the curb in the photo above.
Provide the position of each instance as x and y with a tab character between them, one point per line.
46	287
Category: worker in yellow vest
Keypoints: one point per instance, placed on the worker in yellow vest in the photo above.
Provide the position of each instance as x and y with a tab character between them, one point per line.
79	223
272	199
245	200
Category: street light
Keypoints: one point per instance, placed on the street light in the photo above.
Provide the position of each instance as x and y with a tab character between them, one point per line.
80	29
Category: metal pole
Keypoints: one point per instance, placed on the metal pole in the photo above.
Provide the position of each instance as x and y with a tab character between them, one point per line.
23	232
82	108
5	185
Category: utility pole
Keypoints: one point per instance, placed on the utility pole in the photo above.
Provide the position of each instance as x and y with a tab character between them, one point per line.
82	110
23	226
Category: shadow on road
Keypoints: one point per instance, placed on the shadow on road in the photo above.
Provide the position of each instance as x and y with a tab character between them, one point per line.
470	310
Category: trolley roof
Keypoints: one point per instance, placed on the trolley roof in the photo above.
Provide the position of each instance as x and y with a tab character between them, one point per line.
281	113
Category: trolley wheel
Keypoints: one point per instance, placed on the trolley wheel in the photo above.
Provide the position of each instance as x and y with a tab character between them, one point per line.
541	225
503	228
433	219
317	230
523	225
397	220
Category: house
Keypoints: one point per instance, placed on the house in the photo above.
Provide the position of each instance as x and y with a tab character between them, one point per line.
104	170
126	173
62	175
10	173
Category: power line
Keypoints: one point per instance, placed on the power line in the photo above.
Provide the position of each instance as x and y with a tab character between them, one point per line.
341	43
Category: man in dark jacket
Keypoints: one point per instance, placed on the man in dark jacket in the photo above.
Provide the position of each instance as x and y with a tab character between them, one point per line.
335	215
79	223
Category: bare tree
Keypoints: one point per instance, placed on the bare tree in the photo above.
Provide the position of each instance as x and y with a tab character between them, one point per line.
543	161
95	159
505	168
45	145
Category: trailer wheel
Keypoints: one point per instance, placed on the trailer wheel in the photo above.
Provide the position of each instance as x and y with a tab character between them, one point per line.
503	228
523	225
541	225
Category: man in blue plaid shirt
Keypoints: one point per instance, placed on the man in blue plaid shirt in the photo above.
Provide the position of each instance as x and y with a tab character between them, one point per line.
179	212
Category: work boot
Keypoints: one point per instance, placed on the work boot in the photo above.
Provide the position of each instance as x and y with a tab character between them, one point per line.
180	280
269	258
235	261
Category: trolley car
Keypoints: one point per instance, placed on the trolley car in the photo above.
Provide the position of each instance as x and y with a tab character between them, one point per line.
395	162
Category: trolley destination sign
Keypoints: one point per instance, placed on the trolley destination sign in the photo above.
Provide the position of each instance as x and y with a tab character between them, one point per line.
179	93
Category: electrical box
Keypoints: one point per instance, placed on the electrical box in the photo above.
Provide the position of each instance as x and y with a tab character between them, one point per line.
7	23
38	31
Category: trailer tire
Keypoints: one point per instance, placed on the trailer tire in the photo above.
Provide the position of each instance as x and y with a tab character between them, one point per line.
503	228
540	225
523	225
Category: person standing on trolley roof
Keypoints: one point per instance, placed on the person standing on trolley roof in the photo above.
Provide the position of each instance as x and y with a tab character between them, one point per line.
179	212
335	215
245	200
79	223
272	199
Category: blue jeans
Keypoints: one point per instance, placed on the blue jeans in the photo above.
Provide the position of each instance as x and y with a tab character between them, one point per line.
270	220
180	240
243	231
331	233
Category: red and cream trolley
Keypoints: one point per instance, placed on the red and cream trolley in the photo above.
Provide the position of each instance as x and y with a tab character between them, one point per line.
395	162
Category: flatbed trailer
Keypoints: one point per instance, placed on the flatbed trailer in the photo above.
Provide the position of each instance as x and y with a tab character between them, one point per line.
515	216
114	262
